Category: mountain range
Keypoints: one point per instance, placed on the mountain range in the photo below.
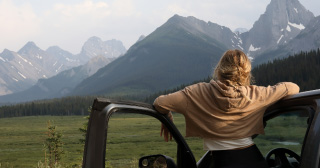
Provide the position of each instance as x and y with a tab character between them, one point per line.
186	49
59	85
21	70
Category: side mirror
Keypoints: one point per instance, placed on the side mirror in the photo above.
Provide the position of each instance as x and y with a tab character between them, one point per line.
156	161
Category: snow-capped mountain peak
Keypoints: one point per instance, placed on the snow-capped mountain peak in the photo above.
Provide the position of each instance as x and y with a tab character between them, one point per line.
22	69
282	21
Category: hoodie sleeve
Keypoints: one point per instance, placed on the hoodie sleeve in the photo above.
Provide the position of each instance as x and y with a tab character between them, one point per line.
176	102
274	93
292	88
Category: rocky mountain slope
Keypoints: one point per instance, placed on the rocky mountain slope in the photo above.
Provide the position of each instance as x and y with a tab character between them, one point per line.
60	84
308	39
182	50
282	21
20	70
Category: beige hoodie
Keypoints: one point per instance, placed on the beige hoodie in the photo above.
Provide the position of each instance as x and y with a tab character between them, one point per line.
216	111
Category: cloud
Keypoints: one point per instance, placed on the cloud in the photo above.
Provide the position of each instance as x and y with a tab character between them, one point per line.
123	8
176	8
63	15
70	25
18	24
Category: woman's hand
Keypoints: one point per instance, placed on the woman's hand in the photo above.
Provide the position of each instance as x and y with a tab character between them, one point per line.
165	131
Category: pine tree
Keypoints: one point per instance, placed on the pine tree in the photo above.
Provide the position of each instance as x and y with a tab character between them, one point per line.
54	145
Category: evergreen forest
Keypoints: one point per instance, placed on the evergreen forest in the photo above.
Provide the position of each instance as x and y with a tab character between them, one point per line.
302	68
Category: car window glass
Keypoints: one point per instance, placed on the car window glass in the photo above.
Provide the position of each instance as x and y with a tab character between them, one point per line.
284	131
131	136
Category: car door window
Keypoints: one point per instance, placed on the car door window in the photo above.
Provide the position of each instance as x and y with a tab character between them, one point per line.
286	130
131	136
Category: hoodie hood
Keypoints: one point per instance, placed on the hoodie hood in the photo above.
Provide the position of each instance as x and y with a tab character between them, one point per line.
225	90
228	97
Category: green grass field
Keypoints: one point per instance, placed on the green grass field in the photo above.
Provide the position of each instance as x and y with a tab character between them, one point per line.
22	139
129	138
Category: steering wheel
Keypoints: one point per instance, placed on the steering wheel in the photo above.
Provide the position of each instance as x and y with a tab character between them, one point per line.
280	158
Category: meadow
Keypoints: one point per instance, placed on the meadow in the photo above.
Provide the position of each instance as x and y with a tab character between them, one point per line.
22	140
129	138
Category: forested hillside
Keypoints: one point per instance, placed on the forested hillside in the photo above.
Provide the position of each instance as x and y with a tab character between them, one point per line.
302	68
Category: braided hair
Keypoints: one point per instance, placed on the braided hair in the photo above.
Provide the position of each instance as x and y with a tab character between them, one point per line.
234	69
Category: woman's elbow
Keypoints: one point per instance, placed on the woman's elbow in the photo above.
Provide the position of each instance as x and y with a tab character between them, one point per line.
158	107
292	88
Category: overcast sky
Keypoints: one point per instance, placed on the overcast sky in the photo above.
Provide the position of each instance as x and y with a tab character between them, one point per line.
69	23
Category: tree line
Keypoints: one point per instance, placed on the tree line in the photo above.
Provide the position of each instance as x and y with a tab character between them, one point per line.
301	68
77	105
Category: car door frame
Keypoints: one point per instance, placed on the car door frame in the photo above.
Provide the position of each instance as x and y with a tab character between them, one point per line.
95	145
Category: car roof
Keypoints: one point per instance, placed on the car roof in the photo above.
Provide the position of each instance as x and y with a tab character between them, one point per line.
100	103
312	94
306	99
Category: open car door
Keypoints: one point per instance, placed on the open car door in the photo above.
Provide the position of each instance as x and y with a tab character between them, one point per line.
99	138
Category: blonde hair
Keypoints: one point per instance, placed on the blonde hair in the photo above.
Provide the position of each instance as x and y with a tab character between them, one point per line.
234	69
